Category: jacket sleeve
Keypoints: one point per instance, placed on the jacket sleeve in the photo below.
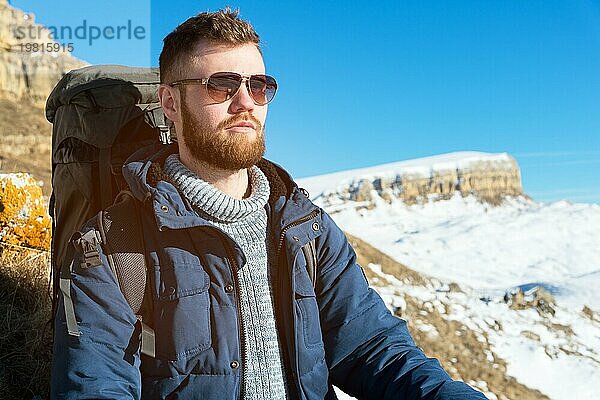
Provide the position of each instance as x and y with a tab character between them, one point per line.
370	352
103	361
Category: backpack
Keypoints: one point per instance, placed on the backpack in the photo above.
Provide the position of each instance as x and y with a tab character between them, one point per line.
101	115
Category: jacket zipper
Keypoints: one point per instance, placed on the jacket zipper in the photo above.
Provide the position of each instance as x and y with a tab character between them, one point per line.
308	217
287	362
236	283
242	333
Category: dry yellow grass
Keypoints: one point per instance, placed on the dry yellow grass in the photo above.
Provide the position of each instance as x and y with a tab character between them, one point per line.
25	331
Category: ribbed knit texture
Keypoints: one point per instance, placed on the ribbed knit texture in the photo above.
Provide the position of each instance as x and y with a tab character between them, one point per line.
246	222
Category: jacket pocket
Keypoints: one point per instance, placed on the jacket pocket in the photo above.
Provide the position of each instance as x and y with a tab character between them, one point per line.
182	311
308	310
311	351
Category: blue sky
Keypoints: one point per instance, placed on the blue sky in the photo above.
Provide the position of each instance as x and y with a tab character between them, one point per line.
364	84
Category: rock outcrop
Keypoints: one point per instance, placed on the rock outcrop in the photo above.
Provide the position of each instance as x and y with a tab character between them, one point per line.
537	298
24	220
489	177
26	74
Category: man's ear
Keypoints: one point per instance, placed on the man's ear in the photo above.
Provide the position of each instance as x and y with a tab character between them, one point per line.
169	100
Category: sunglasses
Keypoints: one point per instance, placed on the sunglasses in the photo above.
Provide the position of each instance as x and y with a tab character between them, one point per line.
222	86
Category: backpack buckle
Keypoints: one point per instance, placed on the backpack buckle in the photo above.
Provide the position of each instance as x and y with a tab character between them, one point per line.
88	247
164	134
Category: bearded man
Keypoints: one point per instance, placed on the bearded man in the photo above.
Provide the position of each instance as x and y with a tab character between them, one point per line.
235	312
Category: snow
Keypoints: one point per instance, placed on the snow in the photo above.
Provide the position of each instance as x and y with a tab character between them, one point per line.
488	250
491	248
560	376
537	364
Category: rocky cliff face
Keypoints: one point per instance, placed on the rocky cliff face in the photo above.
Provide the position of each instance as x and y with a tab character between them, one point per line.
26	74
489	177
26	79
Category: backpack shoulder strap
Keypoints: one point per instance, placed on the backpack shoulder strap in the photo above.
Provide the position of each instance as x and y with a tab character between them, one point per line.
121	233
310	254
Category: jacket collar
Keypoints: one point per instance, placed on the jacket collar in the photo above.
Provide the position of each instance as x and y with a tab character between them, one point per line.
147	181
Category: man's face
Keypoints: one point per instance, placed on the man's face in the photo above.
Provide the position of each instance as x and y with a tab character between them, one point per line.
213	132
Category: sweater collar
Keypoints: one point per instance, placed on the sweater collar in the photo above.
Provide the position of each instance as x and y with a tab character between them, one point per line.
212	201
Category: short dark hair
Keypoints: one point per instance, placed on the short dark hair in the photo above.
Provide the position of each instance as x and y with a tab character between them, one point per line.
222	27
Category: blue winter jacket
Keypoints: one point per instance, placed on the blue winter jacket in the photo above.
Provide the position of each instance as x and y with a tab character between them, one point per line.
339	332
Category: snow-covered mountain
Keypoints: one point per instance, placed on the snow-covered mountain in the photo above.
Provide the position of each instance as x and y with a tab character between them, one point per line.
489	177
549	338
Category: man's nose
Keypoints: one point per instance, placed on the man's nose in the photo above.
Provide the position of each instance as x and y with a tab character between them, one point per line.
242	101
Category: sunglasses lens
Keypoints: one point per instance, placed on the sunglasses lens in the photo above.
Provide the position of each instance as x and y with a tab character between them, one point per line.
262	88
223	85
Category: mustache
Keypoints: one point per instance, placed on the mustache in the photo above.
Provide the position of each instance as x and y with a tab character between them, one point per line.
239	118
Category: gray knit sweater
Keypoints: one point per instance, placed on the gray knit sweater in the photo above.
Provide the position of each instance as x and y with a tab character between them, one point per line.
246	222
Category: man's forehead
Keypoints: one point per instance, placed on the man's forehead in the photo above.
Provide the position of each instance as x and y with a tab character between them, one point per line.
208	47
212	57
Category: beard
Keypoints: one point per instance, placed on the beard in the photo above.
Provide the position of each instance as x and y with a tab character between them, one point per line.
219	148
